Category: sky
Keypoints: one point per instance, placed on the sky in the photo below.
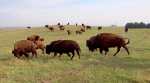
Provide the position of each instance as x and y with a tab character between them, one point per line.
91	12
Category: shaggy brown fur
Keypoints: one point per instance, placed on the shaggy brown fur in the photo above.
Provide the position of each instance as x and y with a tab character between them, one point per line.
40	44
33	38
99	28
104	41
24	47
63	46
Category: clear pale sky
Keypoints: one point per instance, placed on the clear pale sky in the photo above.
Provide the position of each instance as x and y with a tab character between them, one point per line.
92	12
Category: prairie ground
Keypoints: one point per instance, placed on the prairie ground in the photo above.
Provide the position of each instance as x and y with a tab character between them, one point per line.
91	68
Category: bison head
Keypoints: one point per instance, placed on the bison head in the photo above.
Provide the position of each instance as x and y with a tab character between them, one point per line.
48	49
90	45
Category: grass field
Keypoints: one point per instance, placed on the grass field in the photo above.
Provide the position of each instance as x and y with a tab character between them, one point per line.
91	68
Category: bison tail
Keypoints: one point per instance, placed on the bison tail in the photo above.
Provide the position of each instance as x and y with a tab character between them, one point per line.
127	41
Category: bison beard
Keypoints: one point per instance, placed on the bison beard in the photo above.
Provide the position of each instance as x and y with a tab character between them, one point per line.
63	46
104	41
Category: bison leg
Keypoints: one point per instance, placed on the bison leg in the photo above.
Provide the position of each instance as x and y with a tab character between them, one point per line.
34	53
73	55
78	53
55	54
118	49
106	51
126	49
60	54
68	54
26	55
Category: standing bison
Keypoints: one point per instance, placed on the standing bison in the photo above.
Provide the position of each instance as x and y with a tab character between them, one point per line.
63	46
24	47
104	41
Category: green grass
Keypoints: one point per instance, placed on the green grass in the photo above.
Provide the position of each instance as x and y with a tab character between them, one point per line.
91	68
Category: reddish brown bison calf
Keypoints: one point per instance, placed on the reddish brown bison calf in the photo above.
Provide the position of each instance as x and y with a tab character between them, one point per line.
24	47
63	46
104	41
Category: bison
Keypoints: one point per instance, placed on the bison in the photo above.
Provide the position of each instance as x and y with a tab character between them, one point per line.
63	46
23	47
104	41
51	28
78	32
99	28
61	27
88	27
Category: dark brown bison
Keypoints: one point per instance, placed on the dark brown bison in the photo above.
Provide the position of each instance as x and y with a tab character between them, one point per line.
61	27
78	32
46	26
69	32
63	46
28	27
51	28
33	38
88	27
99	28
24	47
104	41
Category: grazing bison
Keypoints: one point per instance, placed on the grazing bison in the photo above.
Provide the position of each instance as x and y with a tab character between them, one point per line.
104	41
28	27
24	47
46	26
69	32
61	27
78	32
63	46
99	28
33	38
51	28
88	27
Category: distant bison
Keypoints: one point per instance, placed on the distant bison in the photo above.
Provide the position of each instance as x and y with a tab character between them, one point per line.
88	27
24	47
51	28
104	41
28	27
61	27
46	26
63	46
78	32
99	28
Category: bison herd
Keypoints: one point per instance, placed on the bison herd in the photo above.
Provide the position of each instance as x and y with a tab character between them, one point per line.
102	41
